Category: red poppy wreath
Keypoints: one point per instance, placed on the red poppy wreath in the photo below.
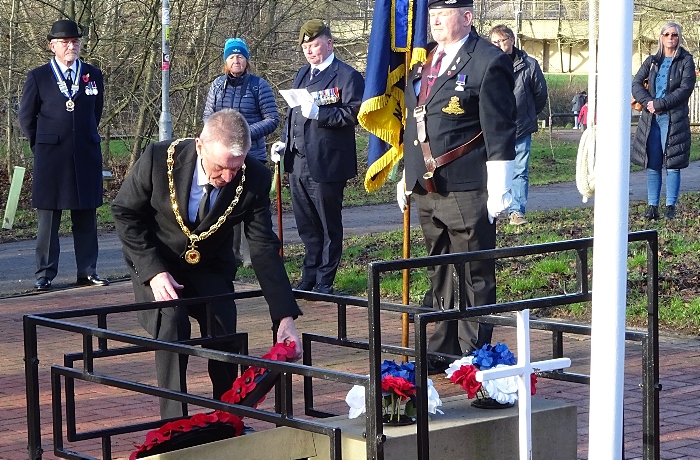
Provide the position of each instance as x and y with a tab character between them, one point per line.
249	389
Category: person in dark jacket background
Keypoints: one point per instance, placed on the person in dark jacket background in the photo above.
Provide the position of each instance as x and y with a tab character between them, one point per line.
662	139
576	103
252	97
60	119
530	98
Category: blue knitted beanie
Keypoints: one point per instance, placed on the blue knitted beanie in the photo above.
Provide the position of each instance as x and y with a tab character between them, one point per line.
235	46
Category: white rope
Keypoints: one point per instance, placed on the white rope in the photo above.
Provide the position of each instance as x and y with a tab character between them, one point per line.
585	164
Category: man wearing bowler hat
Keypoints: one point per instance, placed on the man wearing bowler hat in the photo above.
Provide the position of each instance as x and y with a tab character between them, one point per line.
318	144
59	113
459	147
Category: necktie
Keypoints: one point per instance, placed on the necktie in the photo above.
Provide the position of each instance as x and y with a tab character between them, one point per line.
314	72
69	79
434	71
205	203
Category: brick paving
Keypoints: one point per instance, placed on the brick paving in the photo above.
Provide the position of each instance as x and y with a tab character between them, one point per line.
103	406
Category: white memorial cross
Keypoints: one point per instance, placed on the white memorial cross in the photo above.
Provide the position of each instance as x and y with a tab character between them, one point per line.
522	370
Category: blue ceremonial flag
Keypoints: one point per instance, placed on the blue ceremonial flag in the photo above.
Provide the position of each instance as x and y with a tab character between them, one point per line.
399	33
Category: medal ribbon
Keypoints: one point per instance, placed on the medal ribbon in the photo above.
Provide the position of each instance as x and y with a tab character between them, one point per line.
58	75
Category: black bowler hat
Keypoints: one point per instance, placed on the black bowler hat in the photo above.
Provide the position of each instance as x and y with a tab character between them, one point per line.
450	3
65	28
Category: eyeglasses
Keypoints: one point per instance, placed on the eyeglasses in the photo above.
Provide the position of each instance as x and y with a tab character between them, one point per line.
75	42
498	42
670	34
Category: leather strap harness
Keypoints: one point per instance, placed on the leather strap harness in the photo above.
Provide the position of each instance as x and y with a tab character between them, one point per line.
431	163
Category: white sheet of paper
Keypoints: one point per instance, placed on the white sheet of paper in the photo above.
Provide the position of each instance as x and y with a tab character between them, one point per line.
294	97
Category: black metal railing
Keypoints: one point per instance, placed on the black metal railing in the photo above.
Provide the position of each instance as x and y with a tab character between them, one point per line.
283	414
424	316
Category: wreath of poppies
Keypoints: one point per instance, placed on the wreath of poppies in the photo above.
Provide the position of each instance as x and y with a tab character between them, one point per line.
249	389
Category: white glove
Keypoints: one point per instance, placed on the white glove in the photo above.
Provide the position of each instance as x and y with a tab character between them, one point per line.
309	110
401	193
498	182
276	151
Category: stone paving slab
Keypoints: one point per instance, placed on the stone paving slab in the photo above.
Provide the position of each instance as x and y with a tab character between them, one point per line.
102	406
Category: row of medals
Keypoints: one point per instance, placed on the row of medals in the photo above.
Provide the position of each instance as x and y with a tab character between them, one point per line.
90	90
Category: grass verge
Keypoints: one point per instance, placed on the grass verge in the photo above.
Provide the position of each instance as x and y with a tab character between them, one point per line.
544	275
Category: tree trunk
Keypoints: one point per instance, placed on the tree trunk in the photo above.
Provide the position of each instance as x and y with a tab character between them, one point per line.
144	111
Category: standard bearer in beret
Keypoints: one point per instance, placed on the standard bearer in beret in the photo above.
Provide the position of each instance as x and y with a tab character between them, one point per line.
318	145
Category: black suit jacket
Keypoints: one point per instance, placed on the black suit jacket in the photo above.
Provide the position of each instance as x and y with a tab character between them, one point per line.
67	172
153	242
488	105
329	142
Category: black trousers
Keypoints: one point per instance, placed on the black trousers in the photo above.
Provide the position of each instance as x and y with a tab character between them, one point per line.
451	223
318	214
174	324
84	240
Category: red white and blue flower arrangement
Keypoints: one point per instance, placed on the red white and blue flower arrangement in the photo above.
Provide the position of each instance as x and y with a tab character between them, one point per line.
497	393
398	395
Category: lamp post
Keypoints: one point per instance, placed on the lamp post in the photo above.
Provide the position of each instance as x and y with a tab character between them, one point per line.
165	124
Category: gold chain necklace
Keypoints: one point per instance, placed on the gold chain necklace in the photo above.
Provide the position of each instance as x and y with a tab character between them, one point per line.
192	255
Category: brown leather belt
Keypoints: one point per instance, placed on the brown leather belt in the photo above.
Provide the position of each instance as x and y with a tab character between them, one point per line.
431	164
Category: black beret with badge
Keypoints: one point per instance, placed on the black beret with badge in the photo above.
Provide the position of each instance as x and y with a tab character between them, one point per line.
312	29
65	28
450	3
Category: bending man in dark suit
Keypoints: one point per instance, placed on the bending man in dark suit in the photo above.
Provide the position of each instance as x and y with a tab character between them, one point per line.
318	144
59	113
458	153
183	246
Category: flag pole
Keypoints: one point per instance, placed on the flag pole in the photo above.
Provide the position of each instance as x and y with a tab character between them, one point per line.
406	272
406	240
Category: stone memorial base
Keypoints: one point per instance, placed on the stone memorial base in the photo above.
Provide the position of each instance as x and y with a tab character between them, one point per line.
462	432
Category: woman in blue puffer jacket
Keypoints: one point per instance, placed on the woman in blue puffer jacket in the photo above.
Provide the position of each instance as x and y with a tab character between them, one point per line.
253	98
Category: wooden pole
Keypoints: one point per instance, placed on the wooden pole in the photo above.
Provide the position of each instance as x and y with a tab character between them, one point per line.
278	187
406	272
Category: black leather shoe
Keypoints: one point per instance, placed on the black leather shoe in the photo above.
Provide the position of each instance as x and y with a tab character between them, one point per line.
670	212
305	286
437	367
651	213
92	280
323	289
42	284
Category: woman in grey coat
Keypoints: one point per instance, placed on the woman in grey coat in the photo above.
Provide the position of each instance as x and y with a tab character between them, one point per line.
663	86
252	96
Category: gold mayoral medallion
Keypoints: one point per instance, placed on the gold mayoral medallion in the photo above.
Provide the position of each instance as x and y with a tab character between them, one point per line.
192	255
70	105
453	107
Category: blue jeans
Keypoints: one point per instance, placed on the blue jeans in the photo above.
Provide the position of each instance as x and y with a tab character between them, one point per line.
673	185
656	146
521	178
